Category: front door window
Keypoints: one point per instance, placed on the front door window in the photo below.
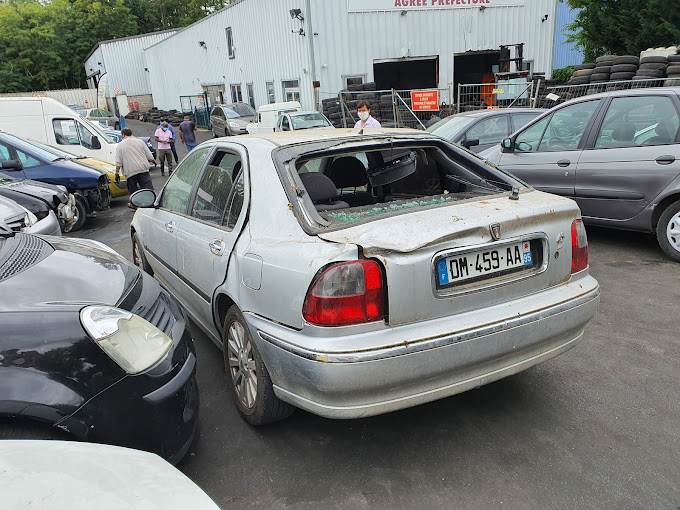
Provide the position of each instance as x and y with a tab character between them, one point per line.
177	191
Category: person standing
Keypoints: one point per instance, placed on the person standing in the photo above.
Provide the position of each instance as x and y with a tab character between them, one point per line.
172	140
133	158
187	133
365	119
163	137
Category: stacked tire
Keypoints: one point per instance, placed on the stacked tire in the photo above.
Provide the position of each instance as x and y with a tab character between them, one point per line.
672	71
582	74
603	68
624	68
331	108
651	68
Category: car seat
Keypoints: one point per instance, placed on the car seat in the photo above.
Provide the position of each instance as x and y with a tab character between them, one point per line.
623	135
322	192
663	134
349	172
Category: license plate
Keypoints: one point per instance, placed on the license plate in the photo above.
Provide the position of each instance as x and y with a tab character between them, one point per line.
484	263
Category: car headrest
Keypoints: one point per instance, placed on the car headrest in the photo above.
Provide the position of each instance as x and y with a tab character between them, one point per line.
624	133
348	172
319	187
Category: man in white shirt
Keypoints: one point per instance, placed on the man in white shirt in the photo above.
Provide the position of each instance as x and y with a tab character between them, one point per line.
133	158
365	119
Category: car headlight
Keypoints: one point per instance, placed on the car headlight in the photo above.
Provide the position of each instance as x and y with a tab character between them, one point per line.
133	343
32	219
235	125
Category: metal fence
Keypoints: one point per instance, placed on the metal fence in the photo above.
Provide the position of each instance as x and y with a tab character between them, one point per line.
479	96
555	95
197	108
392	108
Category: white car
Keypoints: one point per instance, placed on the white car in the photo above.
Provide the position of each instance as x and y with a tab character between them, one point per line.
352	289
61	475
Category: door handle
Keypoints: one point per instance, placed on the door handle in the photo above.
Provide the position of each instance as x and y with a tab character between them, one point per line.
217	246
170	226
665	160
563	162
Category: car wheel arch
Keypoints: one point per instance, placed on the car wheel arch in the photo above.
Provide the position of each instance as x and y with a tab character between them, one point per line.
663	204
223	302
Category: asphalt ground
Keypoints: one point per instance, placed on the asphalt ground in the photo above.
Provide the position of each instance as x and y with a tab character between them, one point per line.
597	427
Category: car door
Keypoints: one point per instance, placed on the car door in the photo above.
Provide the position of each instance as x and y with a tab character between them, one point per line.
206	238
486	133
545	154
159	225
630	158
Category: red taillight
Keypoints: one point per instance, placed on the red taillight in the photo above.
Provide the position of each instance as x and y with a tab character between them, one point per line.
579	247
346	293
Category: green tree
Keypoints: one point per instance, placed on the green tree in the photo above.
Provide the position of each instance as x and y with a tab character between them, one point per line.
624	27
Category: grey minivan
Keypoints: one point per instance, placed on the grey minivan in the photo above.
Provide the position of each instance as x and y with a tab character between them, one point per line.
617	154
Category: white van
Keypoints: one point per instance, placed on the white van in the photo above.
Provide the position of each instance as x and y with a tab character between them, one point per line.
268	116
46	120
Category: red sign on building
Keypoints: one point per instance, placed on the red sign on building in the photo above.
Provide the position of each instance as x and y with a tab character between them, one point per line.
423	100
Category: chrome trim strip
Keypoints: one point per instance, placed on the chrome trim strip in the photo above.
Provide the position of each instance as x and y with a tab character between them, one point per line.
431	343
492	282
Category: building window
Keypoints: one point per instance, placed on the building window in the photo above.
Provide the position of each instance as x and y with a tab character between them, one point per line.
291	90
251	95
271	97
230	43
236	95
354	80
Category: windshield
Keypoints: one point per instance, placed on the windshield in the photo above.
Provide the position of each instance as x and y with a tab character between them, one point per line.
449	127
234	111
95	126
309	120
39	150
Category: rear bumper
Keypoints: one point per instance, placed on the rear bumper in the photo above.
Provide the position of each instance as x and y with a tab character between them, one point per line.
409	371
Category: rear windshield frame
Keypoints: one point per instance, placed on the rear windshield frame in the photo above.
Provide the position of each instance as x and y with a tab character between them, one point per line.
286	161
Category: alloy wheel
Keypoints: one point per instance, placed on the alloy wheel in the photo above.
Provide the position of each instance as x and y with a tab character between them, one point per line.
242	366
673	231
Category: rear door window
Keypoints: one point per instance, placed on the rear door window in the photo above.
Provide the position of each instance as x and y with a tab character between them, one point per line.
519	120
638	121
491	130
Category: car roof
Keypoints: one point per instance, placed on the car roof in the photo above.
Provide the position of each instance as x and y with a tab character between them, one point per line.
656	91
496	111
283	138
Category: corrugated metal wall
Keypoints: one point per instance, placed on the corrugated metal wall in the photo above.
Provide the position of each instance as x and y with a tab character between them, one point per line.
68	96
566	54
347	43
123	60
265	50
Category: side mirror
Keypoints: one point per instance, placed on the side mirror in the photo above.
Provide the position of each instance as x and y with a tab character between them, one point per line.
507	145
472	142
12	164
96	144
143	198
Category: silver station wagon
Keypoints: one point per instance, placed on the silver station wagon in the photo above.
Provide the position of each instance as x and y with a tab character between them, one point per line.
352	273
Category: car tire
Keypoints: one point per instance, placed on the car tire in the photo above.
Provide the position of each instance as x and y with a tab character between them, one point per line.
249	380
81	214
583	72
620	76
668	231
626	59
579	80
138	257
624	68
653	59
673	58
582	67
599	77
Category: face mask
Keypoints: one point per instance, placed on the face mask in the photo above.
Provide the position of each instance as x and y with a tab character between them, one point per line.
165	129
363	115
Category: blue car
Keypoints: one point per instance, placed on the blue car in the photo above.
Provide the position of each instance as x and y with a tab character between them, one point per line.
23	160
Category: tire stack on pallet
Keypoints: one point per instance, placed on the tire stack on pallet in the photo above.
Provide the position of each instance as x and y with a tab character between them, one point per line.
331	109
673	71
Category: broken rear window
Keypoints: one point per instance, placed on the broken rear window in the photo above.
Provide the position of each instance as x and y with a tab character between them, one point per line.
343	187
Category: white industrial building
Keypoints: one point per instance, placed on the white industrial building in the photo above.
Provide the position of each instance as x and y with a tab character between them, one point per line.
261	51
123	62
403	44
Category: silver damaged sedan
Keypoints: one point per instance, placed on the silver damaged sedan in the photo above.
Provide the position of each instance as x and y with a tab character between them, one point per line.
353	273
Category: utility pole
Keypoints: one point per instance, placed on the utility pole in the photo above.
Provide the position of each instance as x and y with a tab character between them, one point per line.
312	59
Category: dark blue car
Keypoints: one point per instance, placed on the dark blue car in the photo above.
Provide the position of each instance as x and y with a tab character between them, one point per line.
23	160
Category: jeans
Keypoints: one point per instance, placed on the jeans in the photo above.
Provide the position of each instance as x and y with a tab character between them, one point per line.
174	152
190	146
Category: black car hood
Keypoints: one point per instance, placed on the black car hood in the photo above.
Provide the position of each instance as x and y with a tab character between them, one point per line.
46	192
74	273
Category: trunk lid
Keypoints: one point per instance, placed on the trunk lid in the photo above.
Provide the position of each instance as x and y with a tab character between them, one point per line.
410	246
